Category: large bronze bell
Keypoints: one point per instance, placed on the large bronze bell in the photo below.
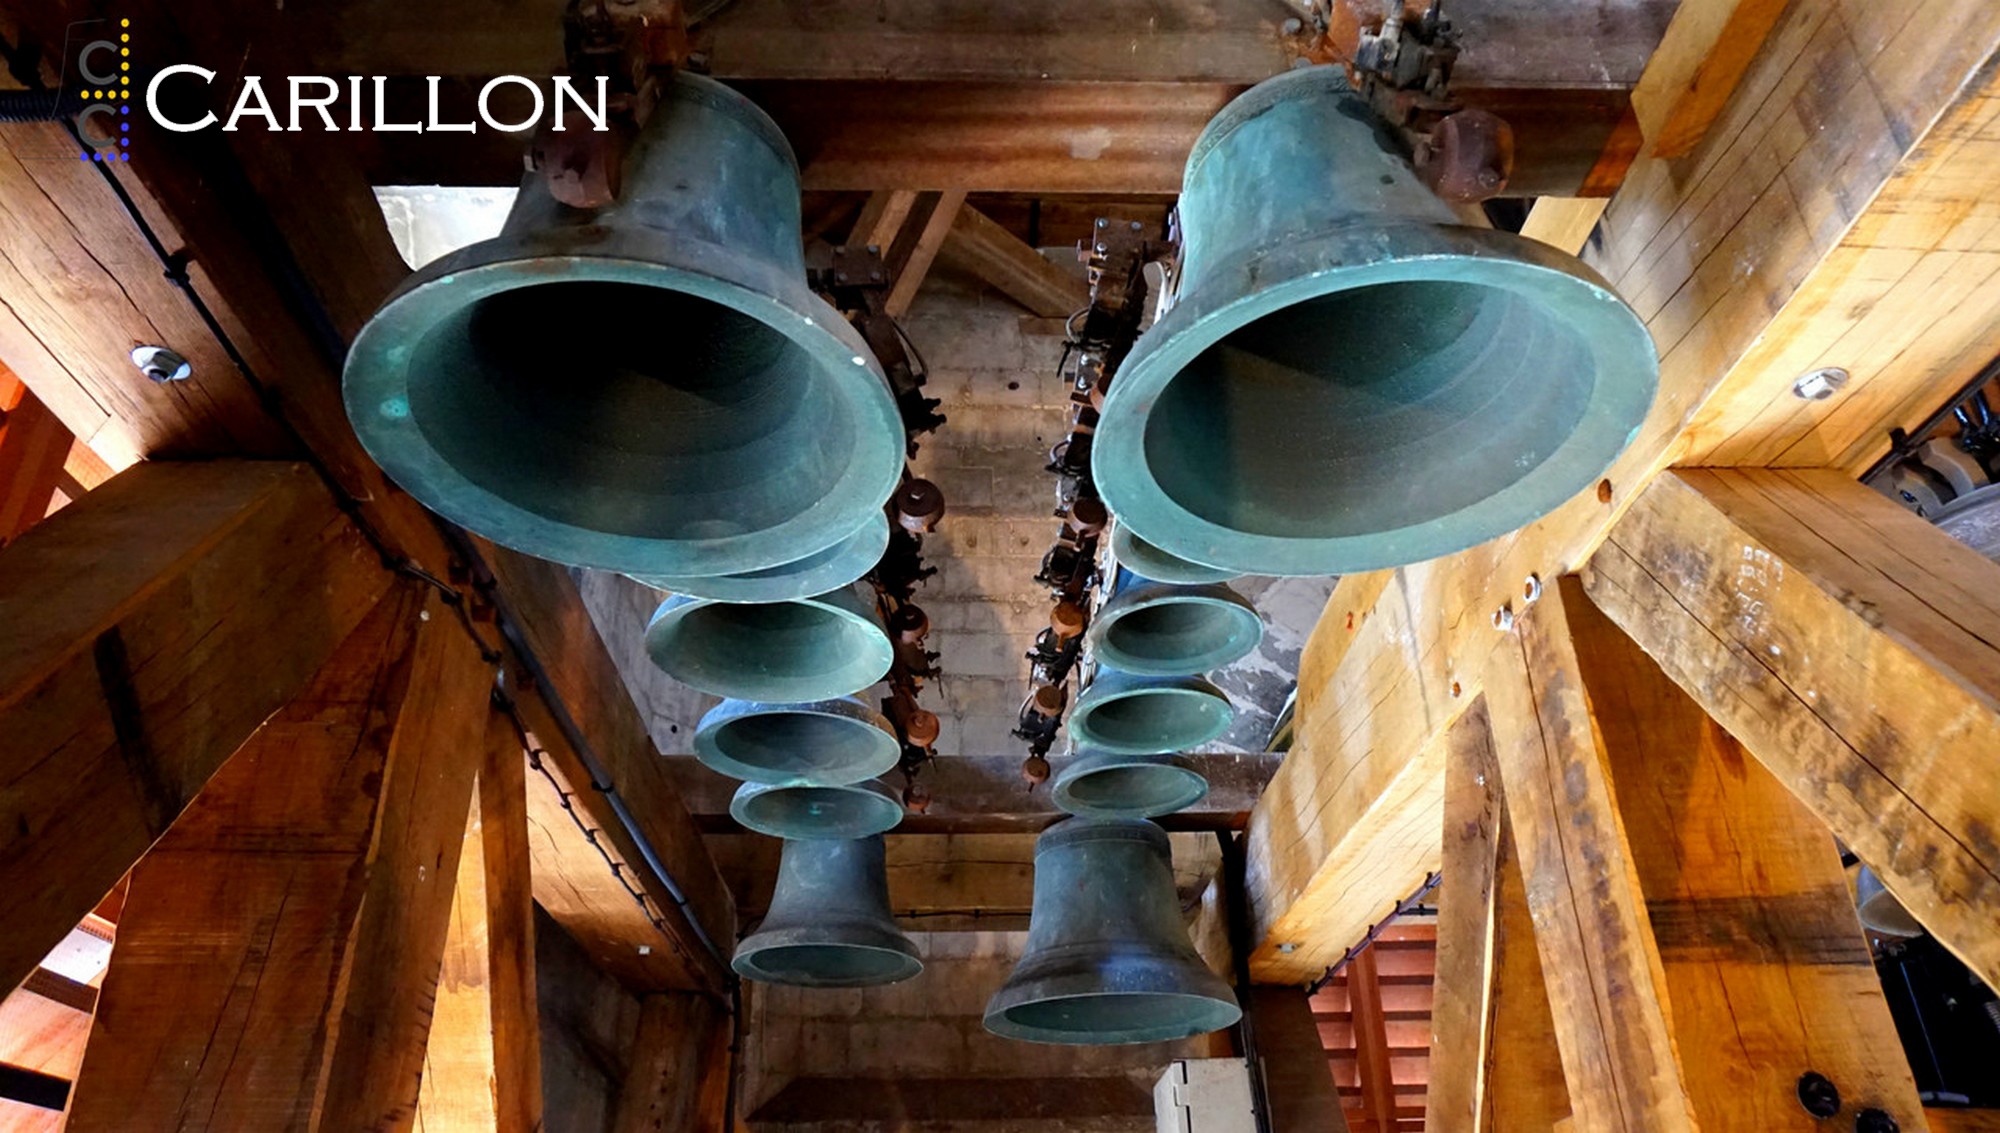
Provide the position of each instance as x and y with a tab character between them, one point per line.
804	811
1108	959
1134	715
1117	785
648	387
833	568
1349	378
829	924
809	649
1159	629
826	743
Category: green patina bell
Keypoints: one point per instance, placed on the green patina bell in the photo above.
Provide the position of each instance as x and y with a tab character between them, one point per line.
837	566
825	743
1349	378
803	812
1135	715
1148	561
1114	785
647	387
809	649
1159	629
829	924
1108	959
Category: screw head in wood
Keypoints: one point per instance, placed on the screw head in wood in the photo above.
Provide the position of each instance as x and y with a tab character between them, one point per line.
1875	1121
1818	1094
1503	619
1820	384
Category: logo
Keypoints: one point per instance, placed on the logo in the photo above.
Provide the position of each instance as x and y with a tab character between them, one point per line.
99	75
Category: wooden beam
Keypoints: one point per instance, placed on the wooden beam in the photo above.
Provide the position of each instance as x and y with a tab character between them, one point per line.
882	217
482	1066
1609	1003
1297	1080
1564	222
219	997
1709	249
1522	1083
1767	972
912	269
982	794
33	448
681	1052
1371	1044
1020	272
1849	646
1705	54
1461	1005
153	626
399	940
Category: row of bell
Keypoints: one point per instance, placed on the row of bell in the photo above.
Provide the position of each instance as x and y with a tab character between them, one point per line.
1348	378
1107	960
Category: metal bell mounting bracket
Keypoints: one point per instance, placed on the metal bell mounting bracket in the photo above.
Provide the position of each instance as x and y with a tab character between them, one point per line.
1403	68
627	43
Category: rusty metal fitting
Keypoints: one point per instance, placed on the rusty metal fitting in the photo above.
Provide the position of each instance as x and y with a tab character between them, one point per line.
1050	700
1468	157
1067	619
1087	516
918	505
909	623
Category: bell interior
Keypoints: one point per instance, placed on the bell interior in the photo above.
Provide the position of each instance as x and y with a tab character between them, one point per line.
781	651
1116	1016
832	810
1153	719
1164	631
674	417
801	744
830	965
1132	788
1369	409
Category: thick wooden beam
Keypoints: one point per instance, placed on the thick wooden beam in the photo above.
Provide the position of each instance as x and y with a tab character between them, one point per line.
218	1000
1767	971
482	1066
680	1056
1522	1084
1461	1003
1021	273
1705	53
33	448
399	939
1297	1081
152	627
1609	999
1709	249
1849	646
930	238
882	216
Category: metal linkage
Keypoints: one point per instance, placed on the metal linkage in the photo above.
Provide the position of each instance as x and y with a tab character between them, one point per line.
1403	68
1100	336
627	49
1406	905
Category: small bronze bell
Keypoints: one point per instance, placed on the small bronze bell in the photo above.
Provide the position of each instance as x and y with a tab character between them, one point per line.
1160	629
808	649
829	924
1134	715
824	743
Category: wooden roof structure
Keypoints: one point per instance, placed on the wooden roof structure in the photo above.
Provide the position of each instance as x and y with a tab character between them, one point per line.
337	752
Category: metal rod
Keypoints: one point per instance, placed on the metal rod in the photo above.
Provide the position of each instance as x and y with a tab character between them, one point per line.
1413	901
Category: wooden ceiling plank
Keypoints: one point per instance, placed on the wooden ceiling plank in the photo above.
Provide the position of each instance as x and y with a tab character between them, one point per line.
1767	971
1711	248
1461	1011
154	626
218	1001
1610	1002
1848	645
399	941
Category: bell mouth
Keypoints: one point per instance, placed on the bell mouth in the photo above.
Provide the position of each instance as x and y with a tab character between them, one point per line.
1148	561
782	652
1167	630
702	425
1372	411
1127	786
801	812
825	965
1146	715
830	743
1109	1018
831	569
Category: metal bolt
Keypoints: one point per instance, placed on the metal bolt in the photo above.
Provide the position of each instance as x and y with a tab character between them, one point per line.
1292	26
161	365
1531	589
1503	619
1288	947
1818	1094
1820	384
1875	1121
1100	222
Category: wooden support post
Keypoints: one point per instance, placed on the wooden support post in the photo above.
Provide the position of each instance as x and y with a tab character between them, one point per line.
1522	1082
1766	966
216	1007
1371	1045
33	448
910	274
482	1067
152	628
679	1075
1297	1081
1460	1007
1851	648
399	940
881	218
1609	1001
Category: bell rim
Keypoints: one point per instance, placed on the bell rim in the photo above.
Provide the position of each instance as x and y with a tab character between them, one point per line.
1086	764
854	616
880	944
1347	258
998	1020
1146	561
851	710
1124	686
842	564
1153	593
891	808
374	380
